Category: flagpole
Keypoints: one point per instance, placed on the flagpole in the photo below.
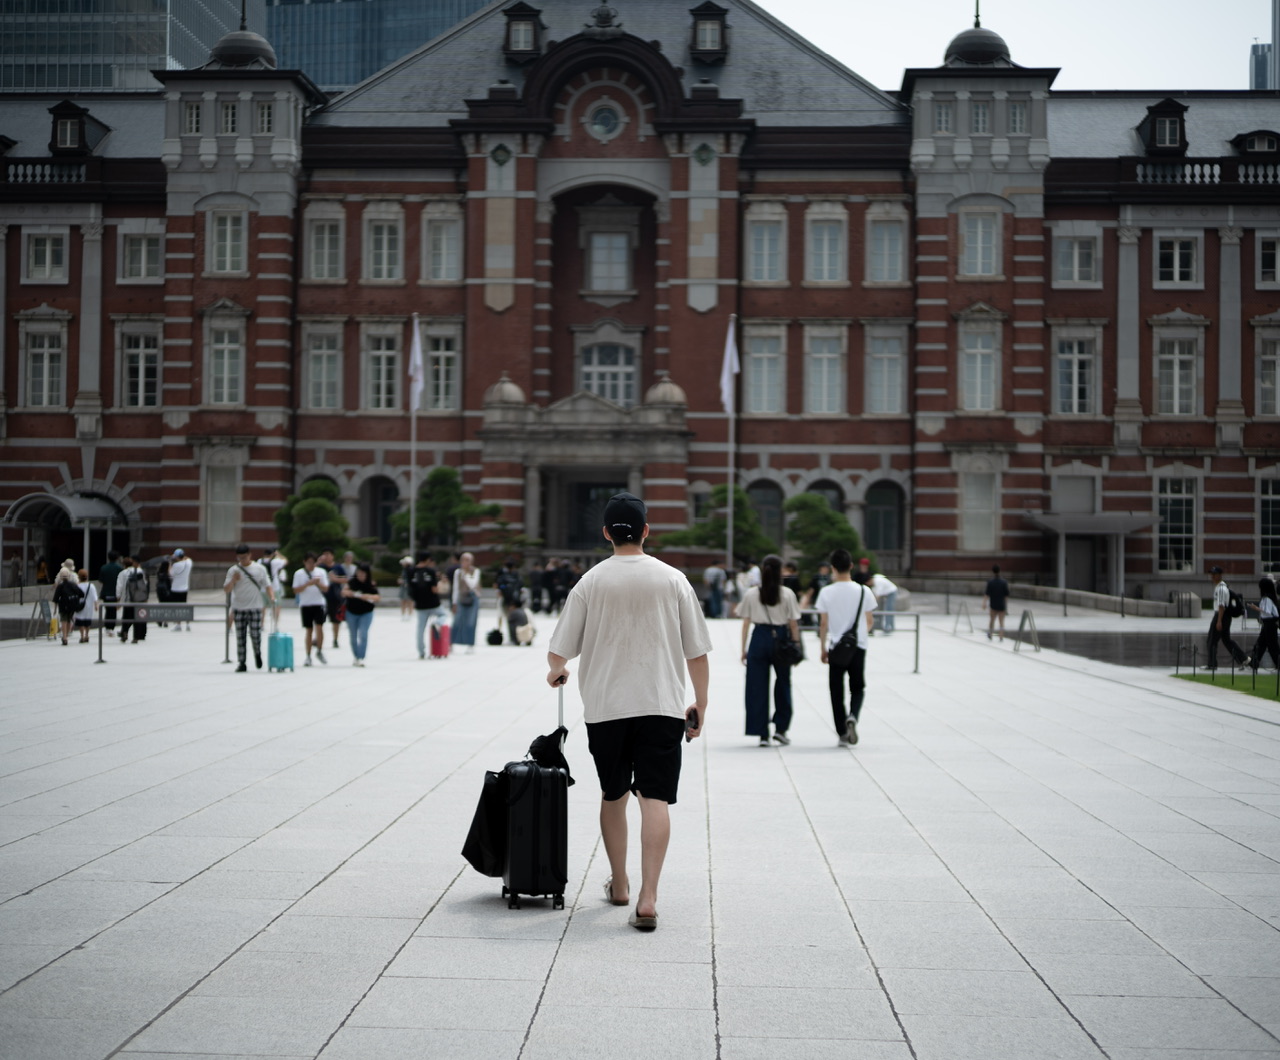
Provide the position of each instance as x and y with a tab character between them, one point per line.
729	368
415	398
733	418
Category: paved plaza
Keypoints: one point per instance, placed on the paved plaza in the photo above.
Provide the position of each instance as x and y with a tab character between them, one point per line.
1027	856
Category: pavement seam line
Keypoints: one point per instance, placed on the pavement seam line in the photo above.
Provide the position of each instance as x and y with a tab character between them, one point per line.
711	902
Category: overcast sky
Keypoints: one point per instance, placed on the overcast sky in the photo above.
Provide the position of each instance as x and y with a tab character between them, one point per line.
1143	44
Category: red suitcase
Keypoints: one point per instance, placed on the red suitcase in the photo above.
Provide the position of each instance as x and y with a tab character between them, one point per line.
440	637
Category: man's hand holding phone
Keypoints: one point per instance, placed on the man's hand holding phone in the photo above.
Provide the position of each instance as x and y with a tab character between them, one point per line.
692	724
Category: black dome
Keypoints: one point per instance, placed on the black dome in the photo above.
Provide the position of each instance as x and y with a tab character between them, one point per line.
242	48
979	47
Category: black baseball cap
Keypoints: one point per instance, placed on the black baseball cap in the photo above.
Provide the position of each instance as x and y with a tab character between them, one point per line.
1215	570
624	518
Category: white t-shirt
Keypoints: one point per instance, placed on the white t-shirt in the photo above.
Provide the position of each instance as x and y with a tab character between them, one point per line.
180	575
839	601
635	621
784	611
277	573
249	593
85	614
1266	609
882	586
1221	597
312	595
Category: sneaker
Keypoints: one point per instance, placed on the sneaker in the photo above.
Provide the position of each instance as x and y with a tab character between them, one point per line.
988	634
241	669
764	742
844	740
257	660
782	738
177	628
320	656
360	663
306	661
851	727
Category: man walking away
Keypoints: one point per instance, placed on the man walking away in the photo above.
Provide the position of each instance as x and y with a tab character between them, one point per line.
109	576
250	588
1220	625
713	578
132	588
845	606
996	598
425	593
309	585
638	626
180	582
335	607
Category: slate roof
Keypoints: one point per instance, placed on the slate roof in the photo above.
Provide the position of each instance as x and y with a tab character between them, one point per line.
136	124
1104	125
782	78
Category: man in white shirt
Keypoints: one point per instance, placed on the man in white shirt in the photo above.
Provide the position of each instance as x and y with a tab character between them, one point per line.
310	583
1220	625
845	606
250	589
180	577
637	624
886	600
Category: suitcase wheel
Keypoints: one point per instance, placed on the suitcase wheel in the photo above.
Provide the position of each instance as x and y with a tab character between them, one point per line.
557	902
514	901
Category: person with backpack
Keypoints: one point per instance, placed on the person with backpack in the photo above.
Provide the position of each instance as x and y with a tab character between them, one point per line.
132	588
1226	606
1268	608
67	597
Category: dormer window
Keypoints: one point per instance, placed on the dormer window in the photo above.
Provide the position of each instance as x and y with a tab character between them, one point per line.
74	131
523	33
1257	142
1164	130
710	42
1260	143
68	132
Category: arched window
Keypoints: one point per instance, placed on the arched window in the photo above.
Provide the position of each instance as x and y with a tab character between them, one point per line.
609	371
379	500
834	494
766	500
884	517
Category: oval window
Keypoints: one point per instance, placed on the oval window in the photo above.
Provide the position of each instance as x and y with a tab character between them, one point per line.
604	121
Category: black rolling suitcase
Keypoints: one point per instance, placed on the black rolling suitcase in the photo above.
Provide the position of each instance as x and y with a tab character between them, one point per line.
520	829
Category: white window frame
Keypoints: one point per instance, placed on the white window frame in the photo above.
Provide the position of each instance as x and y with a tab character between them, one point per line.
67	132
382	266
1163	490
970	263
442	221
228	117
709	35
128	329
885	366
944	117
48	236
322	338
218	261
1264	241
53	393
883	267
219	391
617	383
971	356
980	117
1068	238
831	269
974	487
1161	353
1267	373
264	117
826	375
594	271
192	117
1080	345
316	215
1269	544
379	341
770	215
758	397
520	35
1019	115
134	228
442	363
234	504
1177	237
1166	131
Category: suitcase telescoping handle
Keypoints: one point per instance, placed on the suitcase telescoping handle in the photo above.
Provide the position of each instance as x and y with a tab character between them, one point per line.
562	706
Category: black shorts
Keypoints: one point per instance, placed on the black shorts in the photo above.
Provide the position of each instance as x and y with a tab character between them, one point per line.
640	755
336	609
313	615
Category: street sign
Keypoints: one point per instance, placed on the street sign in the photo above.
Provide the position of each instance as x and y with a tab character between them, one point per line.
147	613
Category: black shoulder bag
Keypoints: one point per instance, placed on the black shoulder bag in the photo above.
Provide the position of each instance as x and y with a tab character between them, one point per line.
841	653
786	652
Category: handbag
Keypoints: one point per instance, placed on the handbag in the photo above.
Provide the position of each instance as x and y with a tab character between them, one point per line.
842	652
786	652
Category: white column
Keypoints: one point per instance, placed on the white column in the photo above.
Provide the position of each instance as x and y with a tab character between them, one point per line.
88	400
533	502
1230	411
1128	411
4	315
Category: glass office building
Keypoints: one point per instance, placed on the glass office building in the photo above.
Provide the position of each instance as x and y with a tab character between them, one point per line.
110	45
339	44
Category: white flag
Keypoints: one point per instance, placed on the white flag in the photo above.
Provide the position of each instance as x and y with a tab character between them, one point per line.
417	376
730	367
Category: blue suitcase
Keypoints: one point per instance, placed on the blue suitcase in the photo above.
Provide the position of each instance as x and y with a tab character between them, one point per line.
280	651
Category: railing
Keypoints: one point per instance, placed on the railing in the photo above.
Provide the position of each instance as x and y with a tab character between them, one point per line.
1204	172
45	172
1028	620
1179	173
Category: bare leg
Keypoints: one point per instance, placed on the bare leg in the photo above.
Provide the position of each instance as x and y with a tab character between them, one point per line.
655	833
613	830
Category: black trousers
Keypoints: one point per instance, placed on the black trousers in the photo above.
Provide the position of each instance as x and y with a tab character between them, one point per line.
836	677
109	620
1225	637
1267	643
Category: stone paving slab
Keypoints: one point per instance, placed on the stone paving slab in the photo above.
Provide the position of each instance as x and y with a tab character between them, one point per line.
1027	856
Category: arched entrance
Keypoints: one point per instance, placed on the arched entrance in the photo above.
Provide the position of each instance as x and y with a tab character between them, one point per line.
83	528
379	501
766	499
885	524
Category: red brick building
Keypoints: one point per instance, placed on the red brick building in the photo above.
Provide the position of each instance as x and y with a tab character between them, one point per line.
988	320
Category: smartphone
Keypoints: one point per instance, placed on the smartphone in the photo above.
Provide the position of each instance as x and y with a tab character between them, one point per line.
690	723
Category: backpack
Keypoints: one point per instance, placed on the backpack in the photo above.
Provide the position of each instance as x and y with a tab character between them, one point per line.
136	588
1236	607
68	596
